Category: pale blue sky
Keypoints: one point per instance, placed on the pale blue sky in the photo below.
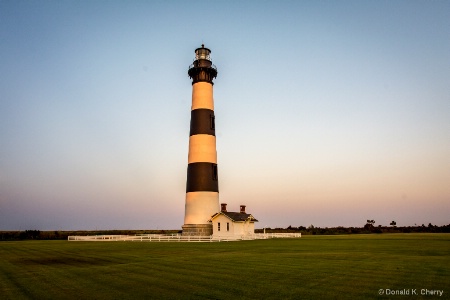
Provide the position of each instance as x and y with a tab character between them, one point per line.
327	112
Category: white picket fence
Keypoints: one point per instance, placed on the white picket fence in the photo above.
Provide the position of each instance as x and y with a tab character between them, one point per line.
180	238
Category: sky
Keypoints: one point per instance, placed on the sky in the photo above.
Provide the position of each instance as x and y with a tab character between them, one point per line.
328	113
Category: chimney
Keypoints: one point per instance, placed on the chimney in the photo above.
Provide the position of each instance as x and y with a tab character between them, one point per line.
223	207
242	209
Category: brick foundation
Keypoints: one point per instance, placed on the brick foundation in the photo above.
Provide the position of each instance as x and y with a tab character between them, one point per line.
197	229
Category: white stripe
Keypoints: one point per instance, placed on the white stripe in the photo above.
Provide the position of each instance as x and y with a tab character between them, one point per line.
200	207
202	96
202	148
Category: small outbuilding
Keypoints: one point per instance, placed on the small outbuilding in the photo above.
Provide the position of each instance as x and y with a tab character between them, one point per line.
227	224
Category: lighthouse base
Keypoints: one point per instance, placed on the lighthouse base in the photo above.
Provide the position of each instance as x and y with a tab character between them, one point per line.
197	229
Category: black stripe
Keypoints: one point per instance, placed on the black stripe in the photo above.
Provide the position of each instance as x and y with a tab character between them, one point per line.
202	121
202	177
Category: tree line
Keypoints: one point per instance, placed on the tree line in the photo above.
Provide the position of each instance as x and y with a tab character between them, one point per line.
62	235
368	228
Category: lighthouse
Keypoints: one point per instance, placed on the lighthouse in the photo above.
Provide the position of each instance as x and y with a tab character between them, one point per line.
202	184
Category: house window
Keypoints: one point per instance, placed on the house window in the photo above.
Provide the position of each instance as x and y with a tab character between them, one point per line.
228	226
218	226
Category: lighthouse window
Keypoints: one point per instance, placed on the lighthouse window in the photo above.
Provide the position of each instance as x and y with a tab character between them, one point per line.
214	172
212	122
218	226
228	226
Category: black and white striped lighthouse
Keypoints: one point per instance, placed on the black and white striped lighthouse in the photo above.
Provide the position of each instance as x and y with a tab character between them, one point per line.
202	185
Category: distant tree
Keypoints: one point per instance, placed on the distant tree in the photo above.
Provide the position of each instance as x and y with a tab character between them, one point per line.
369	224
30	234
393	223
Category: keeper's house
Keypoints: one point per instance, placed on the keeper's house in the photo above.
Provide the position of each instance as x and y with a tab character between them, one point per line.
226	223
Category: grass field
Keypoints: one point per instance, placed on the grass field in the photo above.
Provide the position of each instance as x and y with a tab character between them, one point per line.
313	267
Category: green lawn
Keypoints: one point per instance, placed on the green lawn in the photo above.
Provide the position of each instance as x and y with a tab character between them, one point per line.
313	267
